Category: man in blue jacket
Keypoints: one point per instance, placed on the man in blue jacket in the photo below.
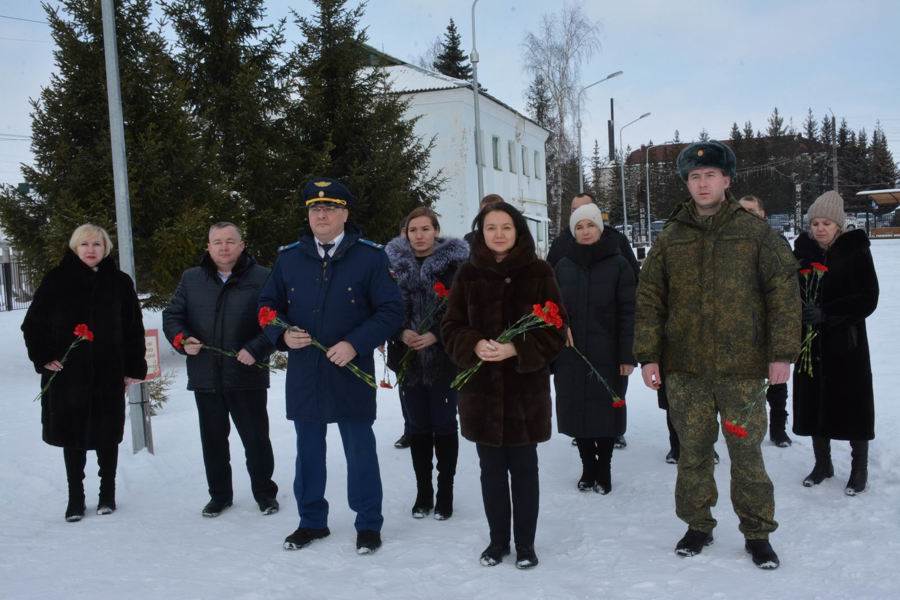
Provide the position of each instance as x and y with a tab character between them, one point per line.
334	286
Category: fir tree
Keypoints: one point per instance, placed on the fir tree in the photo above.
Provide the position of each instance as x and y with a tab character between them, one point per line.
884	169
539	106
234	71
748	130
676	138
172	192
735	135
776	124
810	126
345	122
452	60
704	135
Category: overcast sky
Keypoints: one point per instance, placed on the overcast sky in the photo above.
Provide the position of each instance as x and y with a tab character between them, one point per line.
694	64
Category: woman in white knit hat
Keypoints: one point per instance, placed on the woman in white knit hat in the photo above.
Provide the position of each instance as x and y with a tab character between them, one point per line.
833	396
598	290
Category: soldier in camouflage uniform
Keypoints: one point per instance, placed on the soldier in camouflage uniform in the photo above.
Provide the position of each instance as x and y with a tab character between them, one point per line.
718	306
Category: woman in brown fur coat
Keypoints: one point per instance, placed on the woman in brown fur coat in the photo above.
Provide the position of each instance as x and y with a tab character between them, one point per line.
505	407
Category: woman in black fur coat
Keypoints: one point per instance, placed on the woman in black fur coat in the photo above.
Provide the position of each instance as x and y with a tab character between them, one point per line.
505	407
84	407
419	260
836	400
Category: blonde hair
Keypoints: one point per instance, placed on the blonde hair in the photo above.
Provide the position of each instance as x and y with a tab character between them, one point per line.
89	231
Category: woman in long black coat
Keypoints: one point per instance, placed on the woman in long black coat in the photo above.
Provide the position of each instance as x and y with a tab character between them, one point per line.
420	259
505	407
598	290
836	401
84	407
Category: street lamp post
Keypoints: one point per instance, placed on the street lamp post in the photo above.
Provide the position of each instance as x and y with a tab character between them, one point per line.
578	125
622	160
473	58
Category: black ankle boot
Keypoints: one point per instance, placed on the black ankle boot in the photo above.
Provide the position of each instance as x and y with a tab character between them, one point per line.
421	449
859	468
587	449
603	484
75	508
823	468
107	502
446	451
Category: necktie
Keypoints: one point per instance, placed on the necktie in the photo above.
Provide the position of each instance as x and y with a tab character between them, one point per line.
326	248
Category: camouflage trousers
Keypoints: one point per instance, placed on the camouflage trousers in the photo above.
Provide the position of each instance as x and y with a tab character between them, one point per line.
694	403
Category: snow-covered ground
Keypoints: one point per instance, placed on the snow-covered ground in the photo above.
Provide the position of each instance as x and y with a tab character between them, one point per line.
618	546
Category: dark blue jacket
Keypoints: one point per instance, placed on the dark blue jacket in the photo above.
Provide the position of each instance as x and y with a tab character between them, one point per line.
350	298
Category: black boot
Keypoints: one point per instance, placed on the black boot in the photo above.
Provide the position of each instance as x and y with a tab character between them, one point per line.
603	484
107	459
446	451
587	449
776	396
859	468
420	448
823	469
674	443
763	555
75	459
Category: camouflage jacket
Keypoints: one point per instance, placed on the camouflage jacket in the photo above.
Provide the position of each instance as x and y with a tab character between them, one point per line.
718	296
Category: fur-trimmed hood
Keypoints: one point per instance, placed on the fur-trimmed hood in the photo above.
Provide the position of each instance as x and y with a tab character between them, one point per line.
416	282
406	269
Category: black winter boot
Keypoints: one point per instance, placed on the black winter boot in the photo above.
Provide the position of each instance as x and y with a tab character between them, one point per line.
421	449
763	555
446	451
776	396
603	483
107	459
859	468
823	468
75	459
587	449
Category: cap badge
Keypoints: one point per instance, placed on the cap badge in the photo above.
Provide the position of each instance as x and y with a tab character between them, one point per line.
700	152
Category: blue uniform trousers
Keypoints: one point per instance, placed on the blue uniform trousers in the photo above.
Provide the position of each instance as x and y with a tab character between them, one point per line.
364	492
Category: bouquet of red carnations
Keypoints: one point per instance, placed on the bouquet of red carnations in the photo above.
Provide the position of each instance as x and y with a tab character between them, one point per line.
82	334
178	342
268	316
812	278
738	426
540	317
442	294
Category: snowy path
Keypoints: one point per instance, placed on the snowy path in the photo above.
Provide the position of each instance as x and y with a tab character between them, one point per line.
158	546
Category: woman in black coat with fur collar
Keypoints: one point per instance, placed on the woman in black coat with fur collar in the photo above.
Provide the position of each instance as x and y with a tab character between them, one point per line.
420	259
84	407
505	407
598	289
836	400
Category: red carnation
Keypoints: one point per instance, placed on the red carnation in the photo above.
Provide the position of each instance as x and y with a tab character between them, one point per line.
266	316
385	384
618	403
735	429
820	267
82	331
178	342
805	272
441	290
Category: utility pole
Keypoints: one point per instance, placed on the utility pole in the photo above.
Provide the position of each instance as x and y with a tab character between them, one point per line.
473	58
834	162
138	395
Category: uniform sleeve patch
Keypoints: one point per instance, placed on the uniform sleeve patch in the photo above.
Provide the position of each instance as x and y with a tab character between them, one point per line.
288	246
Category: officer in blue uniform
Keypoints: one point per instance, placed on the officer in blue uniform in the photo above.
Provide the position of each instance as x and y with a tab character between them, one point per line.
335	286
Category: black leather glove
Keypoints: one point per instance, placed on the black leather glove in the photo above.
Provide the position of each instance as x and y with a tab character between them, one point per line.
813	315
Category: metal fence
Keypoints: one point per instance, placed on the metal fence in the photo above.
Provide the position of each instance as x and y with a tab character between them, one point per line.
16	288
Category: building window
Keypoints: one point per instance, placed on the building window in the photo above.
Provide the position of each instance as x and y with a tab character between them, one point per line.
537	164
511	152
495	151
526	171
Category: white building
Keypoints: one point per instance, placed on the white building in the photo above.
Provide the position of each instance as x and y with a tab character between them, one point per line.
513	148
